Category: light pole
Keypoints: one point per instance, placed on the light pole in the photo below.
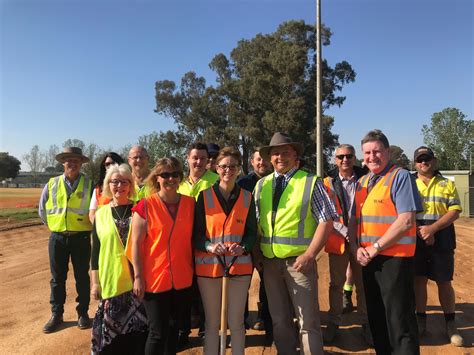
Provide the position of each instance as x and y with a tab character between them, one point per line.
319	129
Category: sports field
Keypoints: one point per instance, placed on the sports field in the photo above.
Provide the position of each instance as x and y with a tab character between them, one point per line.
18	206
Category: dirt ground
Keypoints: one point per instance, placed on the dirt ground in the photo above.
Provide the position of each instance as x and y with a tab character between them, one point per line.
25	293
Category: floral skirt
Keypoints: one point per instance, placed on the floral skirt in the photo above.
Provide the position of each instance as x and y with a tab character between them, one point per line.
119	315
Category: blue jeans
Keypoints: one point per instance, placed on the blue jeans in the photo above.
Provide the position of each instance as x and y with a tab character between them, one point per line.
62	247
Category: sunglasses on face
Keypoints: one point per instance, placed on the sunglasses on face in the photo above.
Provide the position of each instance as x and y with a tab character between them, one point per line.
424	159
341	156
165	176
118	182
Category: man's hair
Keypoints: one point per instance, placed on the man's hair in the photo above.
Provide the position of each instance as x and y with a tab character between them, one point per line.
376	135
346	146
140	148
197	146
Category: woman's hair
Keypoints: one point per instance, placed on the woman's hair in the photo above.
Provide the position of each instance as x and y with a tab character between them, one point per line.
102	170
124	170
168	162
229	152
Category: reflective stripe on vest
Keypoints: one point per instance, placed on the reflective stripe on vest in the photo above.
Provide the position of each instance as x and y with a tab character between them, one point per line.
68	214
114	270
376	212
226	229
294	224
167	251
205	182
336	243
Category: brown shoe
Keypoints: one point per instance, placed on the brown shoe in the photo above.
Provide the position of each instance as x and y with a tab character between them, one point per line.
53	324
455	338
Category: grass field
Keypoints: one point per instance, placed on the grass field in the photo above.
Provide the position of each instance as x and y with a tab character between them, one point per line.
18	204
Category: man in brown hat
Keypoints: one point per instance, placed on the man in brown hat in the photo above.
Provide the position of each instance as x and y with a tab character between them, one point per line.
63	207
295	216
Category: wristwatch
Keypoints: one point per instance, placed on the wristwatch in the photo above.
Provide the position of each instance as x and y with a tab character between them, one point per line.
377	246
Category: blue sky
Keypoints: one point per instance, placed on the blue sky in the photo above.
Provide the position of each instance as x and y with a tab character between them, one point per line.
86	69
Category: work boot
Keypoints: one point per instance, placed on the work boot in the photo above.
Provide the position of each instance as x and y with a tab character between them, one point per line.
367	335
347	306
259	323
84	322
453	333
421	321
330	333
53	324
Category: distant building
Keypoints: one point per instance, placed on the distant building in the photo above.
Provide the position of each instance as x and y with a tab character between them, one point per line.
29	179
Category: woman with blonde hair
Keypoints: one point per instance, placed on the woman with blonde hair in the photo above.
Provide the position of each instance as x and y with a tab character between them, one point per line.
225	230
162	254
120	322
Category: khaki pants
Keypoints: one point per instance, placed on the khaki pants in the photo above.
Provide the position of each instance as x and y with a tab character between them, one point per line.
292	293
211	294
337	274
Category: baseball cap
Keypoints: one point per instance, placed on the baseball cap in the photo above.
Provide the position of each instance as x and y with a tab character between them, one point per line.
423	151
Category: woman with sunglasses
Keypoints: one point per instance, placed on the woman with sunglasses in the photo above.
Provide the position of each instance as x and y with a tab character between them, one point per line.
162	256
225	230
98	199
120	322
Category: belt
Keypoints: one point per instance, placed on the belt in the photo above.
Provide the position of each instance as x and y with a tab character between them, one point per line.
70	234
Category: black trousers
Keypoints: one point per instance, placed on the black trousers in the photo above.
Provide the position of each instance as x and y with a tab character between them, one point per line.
78	248
164	310
388	284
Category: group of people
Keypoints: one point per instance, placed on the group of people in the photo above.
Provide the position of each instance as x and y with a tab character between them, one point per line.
159	242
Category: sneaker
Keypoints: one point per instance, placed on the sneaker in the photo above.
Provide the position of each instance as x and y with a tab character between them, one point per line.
330	333
53	324
84	322
421	321
347	306
453	334
367	335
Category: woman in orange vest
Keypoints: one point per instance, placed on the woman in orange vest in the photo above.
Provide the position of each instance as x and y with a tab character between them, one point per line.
98	199
225	230
161	253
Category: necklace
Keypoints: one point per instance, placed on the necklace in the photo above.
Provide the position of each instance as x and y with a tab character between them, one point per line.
120	221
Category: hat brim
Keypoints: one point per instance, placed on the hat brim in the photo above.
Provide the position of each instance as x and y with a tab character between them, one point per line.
61	157
265	150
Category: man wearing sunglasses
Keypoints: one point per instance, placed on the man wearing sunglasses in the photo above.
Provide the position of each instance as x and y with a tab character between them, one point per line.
341	186
434	256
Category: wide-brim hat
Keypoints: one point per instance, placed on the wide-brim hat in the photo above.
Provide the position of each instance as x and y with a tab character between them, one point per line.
71	152
277	140
423	151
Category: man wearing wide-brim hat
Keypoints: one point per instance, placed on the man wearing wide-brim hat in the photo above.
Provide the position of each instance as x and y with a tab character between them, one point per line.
295	216
64	208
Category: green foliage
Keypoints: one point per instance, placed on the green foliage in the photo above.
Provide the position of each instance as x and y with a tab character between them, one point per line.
163	144
267	85
9	166
451	136
398	157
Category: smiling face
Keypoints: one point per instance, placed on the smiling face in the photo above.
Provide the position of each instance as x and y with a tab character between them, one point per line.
138	159
376	156
283	158
72	167
119	187
425	166
260	166
197	161
168	179
228	169
346	164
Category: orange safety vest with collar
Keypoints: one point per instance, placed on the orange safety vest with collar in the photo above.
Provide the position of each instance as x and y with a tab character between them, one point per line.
226	229
101	199
375	213
167	247
336	242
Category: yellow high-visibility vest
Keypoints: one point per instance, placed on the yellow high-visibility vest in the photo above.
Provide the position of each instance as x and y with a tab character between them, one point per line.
193	190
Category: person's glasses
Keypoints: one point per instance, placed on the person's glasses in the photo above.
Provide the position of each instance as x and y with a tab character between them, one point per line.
228	167
119	182
341	156
174	175
137	157
424	159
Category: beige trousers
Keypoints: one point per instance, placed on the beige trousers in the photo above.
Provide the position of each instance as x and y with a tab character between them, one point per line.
211	293
290	292
337	275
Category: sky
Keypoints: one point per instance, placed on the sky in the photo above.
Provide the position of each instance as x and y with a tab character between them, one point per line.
86	69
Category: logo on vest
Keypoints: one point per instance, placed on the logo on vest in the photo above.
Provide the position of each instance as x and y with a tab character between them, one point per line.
378	200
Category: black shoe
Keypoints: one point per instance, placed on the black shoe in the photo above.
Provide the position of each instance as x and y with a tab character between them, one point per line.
53	324
183	341
84	322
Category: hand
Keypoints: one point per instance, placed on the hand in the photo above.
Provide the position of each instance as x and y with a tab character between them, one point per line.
304	263
96	292
430	240
372	252
425	232
363	256
138	288
217	248
236	249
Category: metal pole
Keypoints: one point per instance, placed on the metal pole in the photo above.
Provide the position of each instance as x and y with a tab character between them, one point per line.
319	129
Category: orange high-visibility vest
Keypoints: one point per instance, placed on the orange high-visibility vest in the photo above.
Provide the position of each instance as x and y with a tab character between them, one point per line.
376	212
167	248
336	242
226	229
101	199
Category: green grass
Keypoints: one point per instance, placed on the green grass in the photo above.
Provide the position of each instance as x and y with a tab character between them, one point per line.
21	214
